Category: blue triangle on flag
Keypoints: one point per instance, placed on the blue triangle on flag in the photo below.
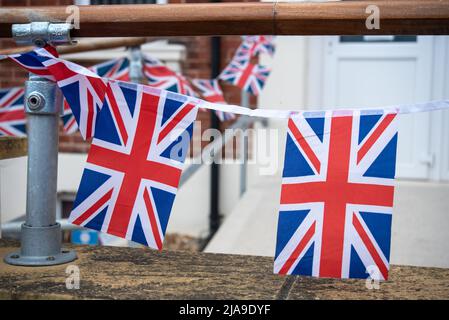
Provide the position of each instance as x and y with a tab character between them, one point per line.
20	127
138	234
317	125
304	266
105	128
294	163
356	267
173	88
171	106
97	221
90	181
103	69
163	201
367	122
379	224
130	95
288	223
384	166
66	118
18	102
3	93
71	94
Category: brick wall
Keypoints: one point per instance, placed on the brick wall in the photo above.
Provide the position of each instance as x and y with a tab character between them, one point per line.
196	65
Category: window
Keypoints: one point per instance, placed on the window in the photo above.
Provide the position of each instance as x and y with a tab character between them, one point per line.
378	39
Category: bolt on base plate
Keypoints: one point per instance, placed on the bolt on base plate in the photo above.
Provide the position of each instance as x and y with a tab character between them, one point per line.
15	258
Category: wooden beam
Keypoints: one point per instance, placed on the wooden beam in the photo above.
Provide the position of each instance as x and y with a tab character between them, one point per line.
11	147
85	45
101	44
414	17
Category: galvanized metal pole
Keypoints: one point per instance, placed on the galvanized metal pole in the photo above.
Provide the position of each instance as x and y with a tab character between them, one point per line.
135	64
41	242
244	148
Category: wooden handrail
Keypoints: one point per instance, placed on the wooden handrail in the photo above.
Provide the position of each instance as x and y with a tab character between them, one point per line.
303	18
86	45
12	147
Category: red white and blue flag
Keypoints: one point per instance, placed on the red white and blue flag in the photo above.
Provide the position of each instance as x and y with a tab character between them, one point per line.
162	77
33	61
134	165
245	75
68	119
260	44
210	90
83	90
115	69
337	195
151	61
12	112
253	46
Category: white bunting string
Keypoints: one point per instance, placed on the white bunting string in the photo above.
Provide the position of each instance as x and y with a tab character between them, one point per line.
276	113
285	114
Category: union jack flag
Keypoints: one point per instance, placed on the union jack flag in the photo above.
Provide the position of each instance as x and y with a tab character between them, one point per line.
253	46
152	61
246	76
133	168
337	195
12	112
160	76
83	89
211	91
116	69
32	61
68	119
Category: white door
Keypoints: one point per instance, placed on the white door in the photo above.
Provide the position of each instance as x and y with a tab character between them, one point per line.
383	71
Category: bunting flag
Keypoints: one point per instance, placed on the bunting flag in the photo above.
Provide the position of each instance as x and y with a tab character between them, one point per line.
246	76
252	47
33	61
160	76
265	44
83	90
151	61
133	168
68	119
337	195
115	69
210	90
12	112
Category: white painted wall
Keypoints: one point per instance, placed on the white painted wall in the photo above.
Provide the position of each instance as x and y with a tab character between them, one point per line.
12	188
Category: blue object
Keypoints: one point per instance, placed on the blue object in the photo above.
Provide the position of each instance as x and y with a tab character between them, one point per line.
89	237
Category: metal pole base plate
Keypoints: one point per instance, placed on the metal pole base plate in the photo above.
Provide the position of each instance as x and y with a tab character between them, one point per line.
17	259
